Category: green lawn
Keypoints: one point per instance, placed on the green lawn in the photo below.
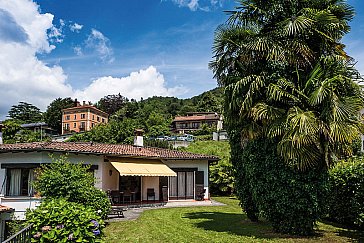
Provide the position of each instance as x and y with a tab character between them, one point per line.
212	224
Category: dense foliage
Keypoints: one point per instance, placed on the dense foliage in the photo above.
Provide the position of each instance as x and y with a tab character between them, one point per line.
73	182
25	113
287	76
267	187
153	115
287	79
112	103
53	114
221	175
346	198
59	220
14	133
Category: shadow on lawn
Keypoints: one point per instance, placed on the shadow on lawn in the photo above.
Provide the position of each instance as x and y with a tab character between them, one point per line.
238	224
356	235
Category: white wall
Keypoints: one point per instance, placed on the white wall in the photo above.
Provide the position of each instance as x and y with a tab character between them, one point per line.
21	203
150	182
109	182
201	165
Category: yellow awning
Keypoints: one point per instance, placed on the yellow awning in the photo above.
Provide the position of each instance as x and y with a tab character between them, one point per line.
147	168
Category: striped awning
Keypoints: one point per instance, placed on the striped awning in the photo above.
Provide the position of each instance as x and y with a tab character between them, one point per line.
147	168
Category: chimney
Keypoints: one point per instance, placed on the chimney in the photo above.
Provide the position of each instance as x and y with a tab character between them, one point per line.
84	103
138	138
1	133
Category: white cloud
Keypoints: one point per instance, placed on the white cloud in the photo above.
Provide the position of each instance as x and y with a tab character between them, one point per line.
78	50
23	77
145	83
76	27
55	34
101	44
203	5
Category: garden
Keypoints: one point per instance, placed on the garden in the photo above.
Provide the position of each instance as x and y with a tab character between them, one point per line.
215	224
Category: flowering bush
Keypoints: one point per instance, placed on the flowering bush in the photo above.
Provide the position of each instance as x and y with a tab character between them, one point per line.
59	220
63	179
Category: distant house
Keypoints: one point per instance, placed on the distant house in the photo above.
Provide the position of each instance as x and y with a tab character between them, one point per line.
82	118
194	121
39	127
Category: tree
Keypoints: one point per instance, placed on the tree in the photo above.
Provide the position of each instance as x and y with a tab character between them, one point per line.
11	128
287	80
208	103
112	103
53	114
286	75
25	113
73	182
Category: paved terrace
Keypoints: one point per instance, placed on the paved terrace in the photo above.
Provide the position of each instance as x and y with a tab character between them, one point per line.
134	213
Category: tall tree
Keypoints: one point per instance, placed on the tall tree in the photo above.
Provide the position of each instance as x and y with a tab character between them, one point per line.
290	88
53	114
112	103
25	113
286	76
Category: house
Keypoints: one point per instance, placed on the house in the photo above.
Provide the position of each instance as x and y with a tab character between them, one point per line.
193	121
130	171
39	127
81	118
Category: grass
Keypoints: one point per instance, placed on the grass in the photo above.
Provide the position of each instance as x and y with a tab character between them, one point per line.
213	224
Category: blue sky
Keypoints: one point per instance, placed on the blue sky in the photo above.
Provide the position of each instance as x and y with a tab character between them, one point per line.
88	49
175	39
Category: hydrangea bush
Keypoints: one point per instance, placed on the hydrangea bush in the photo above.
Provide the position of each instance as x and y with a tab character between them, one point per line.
59	220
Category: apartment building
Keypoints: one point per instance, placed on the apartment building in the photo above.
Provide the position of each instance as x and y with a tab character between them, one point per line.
82	118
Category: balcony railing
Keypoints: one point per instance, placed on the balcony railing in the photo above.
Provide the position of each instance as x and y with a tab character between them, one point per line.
23	236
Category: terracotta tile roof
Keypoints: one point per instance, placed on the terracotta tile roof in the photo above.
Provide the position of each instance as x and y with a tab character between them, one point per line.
197	118
123	150
5	209
85	107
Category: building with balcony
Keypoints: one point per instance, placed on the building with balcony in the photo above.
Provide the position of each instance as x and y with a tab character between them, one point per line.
193	121
82	118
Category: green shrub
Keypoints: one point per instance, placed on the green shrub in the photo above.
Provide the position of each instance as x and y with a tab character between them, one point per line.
346	200
62	179
291	200
59	220
96	200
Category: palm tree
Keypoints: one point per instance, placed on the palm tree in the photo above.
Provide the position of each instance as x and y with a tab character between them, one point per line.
286	76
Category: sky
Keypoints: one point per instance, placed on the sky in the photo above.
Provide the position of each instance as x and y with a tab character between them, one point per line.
89	49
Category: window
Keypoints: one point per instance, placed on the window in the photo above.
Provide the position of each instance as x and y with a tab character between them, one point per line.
67	117
93	117
74	125
196	125
66	126
83	125
103	120
98	118
74	117
83	116
19	182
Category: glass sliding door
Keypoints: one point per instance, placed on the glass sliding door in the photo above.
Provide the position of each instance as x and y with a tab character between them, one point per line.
189	184
181	177
182	186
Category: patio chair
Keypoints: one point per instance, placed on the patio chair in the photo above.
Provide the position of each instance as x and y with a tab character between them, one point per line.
115	211
200	194
115	196
150	193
